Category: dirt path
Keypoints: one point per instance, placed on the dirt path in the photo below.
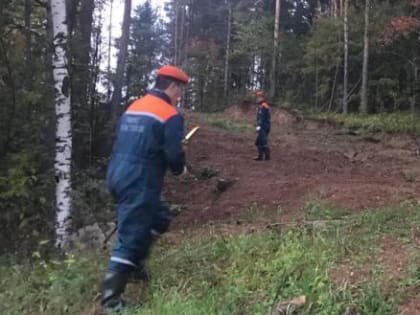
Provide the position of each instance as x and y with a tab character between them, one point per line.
311	162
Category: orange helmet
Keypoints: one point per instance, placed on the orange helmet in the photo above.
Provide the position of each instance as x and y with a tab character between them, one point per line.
173	72
260	94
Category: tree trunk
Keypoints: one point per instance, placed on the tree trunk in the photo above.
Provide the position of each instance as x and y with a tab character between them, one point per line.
80	75
227	53
121	65
414	88
364	92
109	87
28	53
176	35
316	81
93	99
346	51
187	30
188	23
318	10
63	147
337	67
275	51
85	29
334	8
181	36
13	95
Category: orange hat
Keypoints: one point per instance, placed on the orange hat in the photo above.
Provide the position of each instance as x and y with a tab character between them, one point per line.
173	72
260	94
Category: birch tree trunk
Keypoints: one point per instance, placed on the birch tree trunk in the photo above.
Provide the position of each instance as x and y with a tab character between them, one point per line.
318	9
108	67
227	53
334	8
63	146
188	22
275	51
176	35
346	52
364	91
181	36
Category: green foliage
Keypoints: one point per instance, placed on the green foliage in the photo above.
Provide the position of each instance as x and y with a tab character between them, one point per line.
251	27
146	41
231	125
26	130
206	173
49	287
390	123
319	211
25	201
91	200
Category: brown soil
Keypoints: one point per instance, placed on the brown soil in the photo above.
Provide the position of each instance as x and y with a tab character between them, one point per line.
311	161
392	257
411	305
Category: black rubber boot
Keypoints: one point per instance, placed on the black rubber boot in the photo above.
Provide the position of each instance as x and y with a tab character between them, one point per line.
141	273
113	286
260	154
267	153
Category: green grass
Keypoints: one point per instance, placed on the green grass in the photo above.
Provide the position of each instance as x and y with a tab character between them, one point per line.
319	211
54	287
219	121
402	122
237	274
206	172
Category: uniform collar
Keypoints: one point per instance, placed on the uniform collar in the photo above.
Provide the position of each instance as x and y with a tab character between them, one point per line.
160	94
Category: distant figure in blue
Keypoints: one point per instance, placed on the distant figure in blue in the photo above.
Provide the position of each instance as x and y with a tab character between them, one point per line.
263	128
149	141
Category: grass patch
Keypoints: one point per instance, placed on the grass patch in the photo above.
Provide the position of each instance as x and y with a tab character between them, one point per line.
54	287
318	211
218	121
402	122
248	274
206	172
237	274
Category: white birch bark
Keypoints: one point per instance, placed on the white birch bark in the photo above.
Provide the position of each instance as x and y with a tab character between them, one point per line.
365	73
63	146
346	53
275	50
227	52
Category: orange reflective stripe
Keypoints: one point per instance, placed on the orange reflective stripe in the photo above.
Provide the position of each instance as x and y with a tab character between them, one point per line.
152	106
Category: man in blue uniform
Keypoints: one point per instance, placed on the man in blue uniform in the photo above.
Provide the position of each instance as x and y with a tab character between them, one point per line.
149	140
263	128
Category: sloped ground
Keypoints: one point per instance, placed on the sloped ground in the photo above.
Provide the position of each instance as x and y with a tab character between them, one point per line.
298	225
311	161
